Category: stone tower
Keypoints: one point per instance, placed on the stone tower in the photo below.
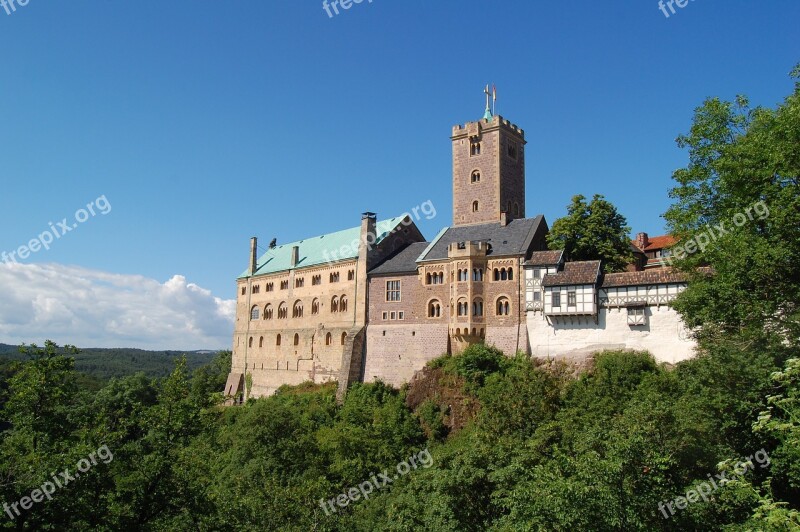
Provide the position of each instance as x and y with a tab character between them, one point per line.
488	171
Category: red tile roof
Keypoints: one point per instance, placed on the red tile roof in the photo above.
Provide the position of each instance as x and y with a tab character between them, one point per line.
658	242
581	272
655	276
545	258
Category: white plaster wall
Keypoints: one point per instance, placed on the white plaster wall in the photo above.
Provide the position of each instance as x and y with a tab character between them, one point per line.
664	336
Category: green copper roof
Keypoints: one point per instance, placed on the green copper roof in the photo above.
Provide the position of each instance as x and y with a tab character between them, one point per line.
321	249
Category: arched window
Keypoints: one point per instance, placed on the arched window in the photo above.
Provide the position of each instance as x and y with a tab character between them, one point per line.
428	279
517	211
463	308
254	312
261	342
477	307
474	148
343	304
344	337
334	304
510	274
496	274
315	306
296	339
268	312
475	206
434	309
503	307
328	339
441	277
278	340
297	310
476	176
250	343
283	311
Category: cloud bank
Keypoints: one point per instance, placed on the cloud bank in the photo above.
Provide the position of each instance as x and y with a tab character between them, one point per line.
91	308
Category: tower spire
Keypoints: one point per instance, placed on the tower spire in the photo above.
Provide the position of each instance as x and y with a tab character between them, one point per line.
487	115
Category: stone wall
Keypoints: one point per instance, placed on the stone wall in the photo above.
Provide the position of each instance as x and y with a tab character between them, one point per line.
664	335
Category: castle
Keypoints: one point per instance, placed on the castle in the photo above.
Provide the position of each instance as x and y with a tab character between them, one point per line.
378	301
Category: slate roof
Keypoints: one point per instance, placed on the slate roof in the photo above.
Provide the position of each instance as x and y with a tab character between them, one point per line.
655	276
545	258
403	262
513	239
579	272
319	249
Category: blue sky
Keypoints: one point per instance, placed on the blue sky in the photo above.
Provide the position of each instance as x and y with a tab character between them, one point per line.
204	123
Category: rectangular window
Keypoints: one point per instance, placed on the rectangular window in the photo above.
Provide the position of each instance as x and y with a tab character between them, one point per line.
571	299
637	316
537	273
385	315
556	299
401	315
392	290
393	315
244	290
537	296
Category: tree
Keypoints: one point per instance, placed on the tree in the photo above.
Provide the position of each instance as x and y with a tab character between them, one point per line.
737	209
592	231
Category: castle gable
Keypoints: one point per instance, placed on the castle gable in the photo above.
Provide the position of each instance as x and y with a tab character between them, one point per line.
512	239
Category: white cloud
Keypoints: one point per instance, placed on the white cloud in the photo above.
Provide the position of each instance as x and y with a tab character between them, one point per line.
91	308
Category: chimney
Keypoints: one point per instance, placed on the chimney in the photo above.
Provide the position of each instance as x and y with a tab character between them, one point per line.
503	219
295	255
368	223
253	255
641	241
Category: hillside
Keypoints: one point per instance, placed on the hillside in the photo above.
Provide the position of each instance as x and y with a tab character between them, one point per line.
104	364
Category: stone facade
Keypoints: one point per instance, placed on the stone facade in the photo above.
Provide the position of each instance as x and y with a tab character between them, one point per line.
488	171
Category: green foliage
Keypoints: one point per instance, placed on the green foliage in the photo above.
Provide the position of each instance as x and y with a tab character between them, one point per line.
743	172
593	231
546	450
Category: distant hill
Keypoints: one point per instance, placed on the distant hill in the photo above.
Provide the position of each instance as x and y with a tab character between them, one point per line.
107	363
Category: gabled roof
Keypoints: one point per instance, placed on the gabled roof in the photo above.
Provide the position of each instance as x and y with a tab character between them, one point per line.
657	242
580	272
403	262
512	239
656	276
320	249
545	258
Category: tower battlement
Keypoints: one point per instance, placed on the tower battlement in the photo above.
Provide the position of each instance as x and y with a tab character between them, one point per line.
496	122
